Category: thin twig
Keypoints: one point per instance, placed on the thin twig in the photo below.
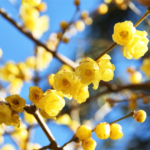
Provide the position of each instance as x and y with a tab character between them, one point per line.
115	44
29	35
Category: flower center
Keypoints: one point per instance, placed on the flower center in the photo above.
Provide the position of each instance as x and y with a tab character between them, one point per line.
65	82
36	95
124	34
88	72
15	101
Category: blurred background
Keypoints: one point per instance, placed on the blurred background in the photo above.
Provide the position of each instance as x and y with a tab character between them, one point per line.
89	34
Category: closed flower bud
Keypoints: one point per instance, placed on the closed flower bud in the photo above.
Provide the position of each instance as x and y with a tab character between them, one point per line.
136	77
115	131
84	132
102	130
140	116
16	102
64	25
77	2
89	144
80	25
123	32
88	72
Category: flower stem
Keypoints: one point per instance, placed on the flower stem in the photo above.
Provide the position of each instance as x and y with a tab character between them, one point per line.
129	115
115	44
143	17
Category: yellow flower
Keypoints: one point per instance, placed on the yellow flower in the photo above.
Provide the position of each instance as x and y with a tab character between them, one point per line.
52	103
102	130
45	115
106	68
35	94
64	81
64	119
43	58
5	114
2	129
140	116
136	47
145	66
123	32
84	132
16	102
80	25
16	85
89	144
29	118
136	77
25	72
79	92
27	11
115	131
31	2
66	67
15	120
21	133
8	147
88	71
51	79
42	25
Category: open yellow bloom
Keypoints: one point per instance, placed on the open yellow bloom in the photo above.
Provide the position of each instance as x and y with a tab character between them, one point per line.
35	94
5	114
123	32
79	92
28	11
88	72
45	115
16	102
21	133
31	2
106	68
145	67
136	47
52	103
64	81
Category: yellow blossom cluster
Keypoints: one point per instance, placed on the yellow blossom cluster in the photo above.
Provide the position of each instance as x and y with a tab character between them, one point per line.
29	14
31	2
15	74
75	84
50	103
102	130
9	112
134	41
41	61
